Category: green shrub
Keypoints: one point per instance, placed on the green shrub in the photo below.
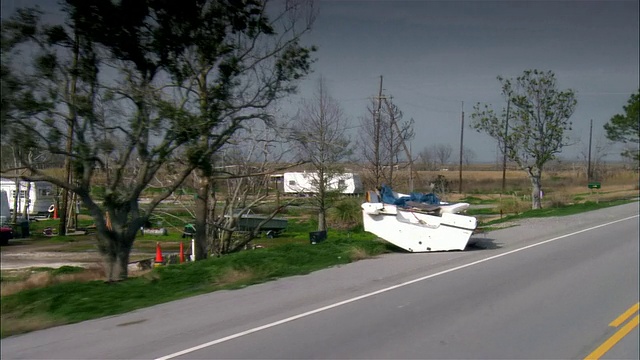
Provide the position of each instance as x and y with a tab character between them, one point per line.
67	270
346	214
513	206
98	192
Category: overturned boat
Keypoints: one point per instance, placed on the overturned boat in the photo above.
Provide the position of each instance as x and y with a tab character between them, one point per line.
417	222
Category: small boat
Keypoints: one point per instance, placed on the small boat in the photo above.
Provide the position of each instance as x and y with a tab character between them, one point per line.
417	222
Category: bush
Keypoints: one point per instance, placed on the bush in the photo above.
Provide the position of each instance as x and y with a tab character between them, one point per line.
559	201
514	206
346	214
440	184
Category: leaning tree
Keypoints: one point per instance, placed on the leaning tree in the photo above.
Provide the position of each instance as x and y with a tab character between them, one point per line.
105	89
532	127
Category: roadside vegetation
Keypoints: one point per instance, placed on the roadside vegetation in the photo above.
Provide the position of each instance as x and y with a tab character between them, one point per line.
46	297
38	298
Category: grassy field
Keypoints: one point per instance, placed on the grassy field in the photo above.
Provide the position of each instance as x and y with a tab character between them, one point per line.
48	297
43	297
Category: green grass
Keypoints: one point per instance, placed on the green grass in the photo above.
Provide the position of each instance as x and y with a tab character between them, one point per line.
77	301
488	211
477	201
290	254
561	210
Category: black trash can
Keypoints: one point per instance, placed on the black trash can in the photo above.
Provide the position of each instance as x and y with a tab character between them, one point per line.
24	228
189	231
317	236
6	234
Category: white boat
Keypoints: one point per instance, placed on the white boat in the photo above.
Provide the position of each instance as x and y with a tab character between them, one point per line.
418	227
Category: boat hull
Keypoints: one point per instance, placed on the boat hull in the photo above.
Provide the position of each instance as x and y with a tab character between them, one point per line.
418	232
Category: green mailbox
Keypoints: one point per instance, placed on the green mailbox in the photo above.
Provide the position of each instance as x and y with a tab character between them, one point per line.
594	185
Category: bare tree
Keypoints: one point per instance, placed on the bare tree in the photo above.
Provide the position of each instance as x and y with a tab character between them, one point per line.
371	134
599	152
320	138
387	129
442	153
468	155
394	140
245	172
428	158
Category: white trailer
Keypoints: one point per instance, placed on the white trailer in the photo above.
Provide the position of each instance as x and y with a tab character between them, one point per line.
306	183
40	200
5	213
6	231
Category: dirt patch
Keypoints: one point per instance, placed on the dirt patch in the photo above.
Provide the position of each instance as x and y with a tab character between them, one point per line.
19	260
27	253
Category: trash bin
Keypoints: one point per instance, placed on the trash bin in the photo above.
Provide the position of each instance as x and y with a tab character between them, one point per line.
189	231
317	236
24	228
6	234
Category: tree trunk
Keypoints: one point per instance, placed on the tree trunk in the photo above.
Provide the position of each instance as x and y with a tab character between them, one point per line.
16	201
211	231
117	260
321	201
536	188
322	220
27	202
62	213
201	213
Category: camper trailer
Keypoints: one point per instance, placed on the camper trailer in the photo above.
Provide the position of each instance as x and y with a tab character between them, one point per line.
5	213
6	231
305	183
40	200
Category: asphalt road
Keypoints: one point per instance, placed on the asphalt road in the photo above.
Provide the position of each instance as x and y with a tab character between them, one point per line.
546	289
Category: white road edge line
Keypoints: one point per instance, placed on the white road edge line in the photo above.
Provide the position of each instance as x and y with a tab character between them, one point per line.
348	301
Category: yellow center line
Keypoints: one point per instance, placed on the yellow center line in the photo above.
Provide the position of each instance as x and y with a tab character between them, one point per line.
607	345
625	315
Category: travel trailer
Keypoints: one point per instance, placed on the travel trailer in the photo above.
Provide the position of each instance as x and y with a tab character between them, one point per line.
304	183
41	195
6	231
5	213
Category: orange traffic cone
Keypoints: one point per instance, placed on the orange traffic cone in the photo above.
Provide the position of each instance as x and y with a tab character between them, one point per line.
159	260
181	252
55	212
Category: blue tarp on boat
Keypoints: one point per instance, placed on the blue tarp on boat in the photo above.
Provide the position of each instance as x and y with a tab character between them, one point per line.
389	197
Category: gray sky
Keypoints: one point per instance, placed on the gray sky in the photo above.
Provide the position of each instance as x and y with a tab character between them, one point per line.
434	55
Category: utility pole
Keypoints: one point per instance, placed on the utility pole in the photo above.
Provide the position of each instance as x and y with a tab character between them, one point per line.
376	155
410	170
504	152
589	160
461	147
